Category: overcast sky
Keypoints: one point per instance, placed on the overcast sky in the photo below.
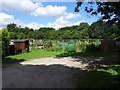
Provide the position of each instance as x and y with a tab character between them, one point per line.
42	14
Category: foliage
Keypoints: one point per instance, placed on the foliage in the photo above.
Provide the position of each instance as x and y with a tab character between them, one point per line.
21	36
103	30
70	48
53	49
47	33
97	30
75	34
109	78
5	42
67	34
93	47
82	47
109	10
13	35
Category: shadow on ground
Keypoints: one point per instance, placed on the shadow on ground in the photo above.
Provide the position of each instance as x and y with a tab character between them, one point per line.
93	59
40	76
90	54
17	75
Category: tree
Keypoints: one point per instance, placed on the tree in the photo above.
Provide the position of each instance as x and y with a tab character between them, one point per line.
82	26
67	34
103	30
30	35
110	11
5	42
21	36
11	27
13	35
75	34
84	33
52	35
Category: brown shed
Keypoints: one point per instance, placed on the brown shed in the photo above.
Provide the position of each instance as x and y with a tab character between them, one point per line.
108	45
21	45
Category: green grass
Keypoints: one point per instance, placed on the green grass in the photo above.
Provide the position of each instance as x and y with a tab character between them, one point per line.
38	53
89	54
101	78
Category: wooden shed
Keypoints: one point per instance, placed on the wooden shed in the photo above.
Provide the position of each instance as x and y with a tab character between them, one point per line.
108	45
21	46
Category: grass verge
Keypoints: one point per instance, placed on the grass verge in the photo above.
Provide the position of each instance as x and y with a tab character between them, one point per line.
102	78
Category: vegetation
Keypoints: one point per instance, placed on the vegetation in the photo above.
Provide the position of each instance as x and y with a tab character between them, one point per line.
109	75
104	30
109	11
33	54
5	41
97	30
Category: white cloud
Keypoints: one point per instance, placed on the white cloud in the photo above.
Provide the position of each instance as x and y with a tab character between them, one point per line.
7	19
36	9
60	22
78	23
50	11
26	6
34	25
71	15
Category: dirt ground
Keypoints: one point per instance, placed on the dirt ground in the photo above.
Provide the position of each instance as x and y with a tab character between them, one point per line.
61	72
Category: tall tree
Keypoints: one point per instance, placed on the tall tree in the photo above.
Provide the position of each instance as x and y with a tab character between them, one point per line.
11	27
75	34
67	34
13	35
103	30
110	11
21	36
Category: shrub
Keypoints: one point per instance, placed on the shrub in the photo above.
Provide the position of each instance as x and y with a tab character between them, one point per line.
70	48
5	41
54	48
93	47
82	47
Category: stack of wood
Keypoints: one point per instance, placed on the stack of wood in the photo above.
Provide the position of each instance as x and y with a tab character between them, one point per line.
44	46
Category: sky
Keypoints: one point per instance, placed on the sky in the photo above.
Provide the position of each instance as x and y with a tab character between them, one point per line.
38	13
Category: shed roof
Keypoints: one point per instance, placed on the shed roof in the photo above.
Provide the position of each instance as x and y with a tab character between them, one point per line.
20	41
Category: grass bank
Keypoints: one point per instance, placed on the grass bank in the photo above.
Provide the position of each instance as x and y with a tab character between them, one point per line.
104	77
37	53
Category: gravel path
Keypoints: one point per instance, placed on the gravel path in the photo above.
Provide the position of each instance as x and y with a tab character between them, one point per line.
44	73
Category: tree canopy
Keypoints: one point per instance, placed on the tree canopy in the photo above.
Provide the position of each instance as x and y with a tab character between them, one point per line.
97	30
103	30
110	11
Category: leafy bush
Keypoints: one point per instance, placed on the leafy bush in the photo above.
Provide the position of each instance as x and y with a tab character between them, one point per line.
93	47
56	49
82	47
70	48
5	41
45	43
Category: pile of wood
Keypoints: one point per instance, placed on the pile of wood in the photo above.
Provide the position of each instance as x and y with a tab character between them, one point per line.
44	46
